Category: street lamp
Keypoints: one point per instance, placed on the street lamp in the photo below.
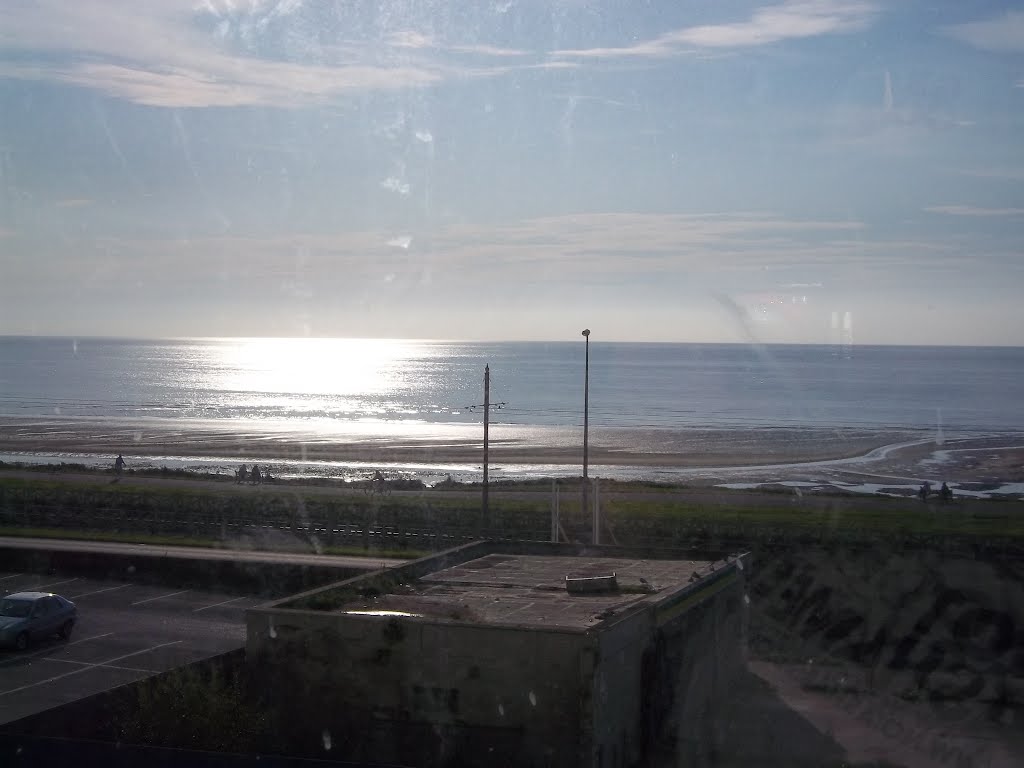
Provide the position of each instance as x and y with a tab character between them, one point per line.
586	420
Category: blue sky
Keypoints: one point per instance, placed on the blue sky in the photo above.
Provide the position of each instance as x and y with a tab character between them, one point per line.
712	171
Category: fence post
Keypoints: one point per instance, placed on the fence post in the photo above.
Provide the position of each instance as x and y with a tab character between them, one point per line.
554	511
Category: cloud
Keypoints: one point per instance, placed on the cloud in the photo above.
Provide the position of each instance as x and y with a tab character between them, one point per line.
791	20
970	210
278	84
488	50
157	54
74	202
408	38
886	129
625	264
1001	34
630	245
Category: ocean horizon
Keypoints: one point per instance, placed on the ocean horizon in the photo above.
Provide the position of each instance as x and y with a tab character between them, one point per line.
644	397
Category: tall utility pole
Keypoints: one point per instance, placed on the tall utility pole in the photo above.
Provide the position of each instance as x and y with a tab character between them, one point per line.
487	421
586	420
485	501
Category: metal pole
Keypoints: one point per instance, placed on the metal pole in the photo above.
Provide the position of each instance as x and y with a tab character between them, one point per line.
586	420
487	419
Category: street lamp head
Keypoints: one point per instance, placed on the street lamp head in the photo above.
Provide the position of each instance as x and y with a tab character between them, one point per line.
586	332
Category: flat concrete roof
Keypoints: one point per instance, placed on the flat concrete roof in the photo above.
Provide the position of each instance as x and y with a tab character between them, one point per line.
530	589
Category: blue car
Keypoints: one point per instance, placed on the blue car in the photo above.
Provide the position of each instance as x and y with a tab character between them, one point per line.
28	616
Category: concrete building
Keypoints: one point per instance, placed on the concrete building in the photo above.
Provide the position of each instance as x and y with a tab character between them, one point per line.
512	653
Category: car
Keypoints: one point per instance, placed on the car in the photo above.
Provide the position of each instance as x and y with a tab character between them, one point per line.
29	616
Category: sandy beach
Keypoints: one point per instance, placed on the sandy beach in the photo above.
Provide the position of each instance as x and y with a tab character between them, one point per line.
846	459
620	447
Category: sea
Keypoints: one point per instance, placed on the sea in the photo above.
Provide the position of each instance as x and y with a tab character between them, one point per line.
392	389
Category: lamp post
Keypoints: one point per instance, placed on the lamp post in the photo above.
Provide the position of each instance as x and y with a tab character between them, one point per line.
586	420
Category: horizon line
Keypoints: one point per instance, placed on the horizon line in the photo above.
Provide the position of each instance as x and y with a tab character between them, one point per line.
425	340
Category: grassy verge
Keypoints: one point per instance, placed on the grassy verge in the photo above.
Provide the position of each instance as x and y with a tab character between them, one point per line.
167	513
825	515
108	536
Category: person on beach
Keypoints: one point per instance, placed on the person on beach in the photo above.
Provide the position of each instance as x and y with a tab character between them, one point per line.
926	489
255	474
242	474
945	492
119	464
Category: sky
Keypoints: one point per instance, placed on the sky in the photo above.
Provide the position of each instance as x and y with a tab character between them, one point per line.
807	171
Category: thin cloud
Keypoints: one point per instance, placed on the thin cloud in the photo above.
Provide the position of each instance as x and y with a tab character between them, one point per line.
885	129
230	83
488	50
971	210
408	38
1002	34
156	55
74	202
792	20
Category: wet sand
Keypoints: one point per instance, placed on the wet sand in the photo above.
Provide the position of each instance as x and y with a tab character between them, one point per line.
632	447
696	456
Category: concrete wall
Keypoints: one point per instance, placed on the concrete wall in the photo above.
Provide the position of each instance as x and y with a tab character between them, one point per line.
697	656
663	671
426	693
618	692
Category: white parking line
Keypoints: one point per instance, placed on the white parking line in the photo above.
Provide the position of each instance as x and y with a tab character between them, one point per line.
225	602
24	656
105	666
86	669
98	591
12	576
41	587
159	597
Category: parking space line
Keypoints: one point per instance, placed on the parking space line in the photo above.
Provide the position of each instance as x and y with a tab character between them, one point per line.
12	576
159	597
225	602
54	584
105	666
99	591
32	655
86	669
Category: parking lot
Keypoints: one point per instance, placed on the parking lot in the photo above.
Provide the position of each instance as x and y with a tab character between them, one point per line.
125	632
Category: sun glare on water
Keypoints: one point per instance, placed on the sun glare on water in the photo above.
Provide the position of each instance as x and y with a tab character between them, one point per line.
333	367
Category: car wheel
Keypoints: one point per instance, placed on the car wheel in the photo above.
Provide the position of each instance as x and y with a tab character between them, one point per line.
65	630
21	641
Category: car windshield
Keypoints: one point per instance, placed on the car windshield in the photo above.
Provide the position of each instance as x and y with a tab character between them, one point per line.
15	608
